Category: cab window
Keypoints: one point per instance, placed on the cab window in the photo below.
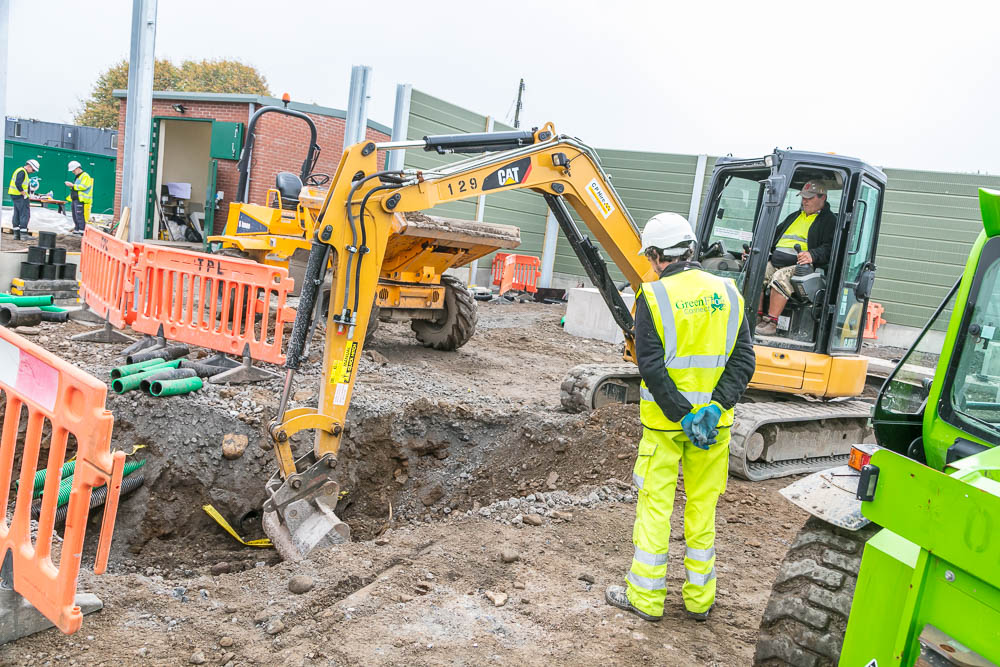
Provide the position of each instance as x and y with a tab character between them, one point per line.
975	388
735	208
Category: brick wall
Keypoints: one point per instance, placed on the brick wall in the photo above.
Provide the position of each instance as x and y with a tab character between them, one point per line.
281	145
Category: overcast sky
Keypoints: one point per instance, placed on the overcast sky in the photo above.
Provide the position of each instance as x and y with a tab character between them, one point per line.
899	84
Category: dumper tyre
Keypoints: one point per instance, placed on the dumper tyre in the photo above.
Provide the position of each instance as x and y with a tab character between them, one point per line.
457	325
806	616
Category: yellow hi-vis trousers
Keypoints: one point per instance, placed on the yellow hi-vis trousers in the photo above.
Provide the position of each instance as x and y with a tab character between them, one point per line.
655	474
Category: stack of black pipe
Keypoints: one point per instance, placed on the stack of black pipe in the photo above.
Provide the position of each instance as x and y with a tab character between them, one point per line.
46	261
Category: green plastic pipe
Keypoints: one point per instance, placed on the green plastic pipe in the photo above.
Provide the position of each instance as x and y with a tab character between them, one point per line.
175	387
33	301
130	382
53	309
39	482
140	366
67	484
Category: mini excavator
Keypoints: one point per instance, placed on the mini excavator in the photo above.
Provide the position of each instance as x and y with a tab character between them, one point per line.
814	353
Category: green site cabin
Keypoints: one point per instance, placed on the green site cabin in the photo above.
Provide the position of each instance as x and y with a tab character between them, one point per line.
935	565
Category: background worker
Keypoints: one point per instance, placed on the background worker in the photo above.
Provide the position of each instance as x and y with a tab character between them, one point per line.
18	191
812	229
81	196
696	357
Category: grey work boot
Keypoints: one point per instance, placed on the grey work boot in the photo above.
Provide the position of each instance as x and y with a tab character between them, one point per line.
617	597
17	233
767	327
700	616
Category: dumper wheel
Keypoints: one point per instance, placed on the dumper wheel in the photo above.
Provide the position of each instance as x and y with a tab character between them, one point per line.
457	325
806	616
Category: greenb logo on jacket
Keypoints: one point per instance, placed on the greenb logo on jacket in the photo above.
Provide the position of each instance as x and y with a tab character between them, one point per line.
702	305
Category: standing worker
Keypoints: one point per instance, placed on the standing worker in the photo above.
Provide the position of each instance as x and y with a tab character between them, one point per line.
81	196
696	357
18	191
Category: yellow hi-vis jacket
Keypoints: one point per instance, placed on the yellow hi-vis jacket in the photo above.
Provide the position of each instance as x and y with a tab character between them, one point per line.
12	189
797	232
84	188
698	317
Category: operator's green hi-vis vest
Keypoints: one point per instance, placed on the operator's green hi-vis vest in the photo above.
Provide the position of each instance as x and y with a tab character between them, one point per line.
698	317
798	232
12	188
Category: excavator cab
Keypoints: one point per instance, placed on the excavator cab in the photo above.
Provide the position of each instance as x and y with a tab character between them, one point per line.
737	233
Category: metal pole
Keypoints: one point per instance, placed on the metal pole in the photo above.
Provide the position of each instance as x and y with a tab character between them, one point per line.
549	250
4	47
517	109
400	125
480	214
699	183
357	106
138	130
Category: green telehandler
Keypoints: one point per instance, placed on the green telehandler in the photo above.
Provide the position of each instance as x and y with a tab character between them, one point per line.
899	563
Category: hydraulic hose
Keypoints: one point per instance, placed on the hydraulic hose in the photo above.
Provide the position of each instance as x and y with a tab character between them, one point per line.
364	242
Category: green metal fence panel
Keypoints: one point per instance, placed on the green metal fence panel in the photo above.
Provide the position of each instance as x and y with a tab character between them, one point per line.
53	173
929	222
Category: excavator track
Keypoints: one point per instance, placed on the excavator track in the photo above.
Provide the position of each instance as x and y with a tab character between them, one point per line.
770	438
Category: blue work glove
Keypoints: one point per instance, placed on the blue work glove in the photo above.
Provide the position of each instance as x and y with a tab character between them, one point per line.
705	425
688	425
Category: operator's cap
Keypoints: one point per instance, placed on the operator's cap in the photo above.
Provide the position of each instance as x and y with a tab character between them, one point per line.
812	189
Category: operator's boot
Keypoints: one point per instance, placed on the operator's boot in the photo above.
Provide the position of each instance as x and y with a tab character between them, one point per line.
767	327
17	233
617	597
700	616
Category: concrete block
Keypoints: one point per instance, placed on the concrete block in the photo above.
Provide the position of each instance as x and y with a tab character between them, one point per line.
587	316
19	619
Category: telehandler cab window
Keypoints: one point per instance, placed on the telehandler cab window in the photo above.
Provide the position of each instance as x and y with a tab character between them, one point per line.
975	389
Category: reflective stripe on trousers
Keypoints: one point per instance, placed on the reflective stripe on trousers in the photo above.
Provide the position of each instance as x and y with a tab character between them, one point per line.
655	474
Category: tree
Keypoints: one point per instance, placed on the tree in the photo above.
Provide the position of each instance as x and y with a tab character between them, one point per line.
211	76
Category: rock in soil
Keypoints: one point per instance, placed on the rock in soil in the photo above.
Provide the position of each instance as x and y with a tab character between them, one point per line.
589	578
431	493
233	445
301	583
197	658
509	555
498	599
222	567
226	642
274	627
533	519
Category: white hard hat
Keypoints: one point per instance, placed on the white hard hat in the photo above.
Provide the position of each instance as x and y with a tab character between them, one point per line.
665	231
33	164
73	165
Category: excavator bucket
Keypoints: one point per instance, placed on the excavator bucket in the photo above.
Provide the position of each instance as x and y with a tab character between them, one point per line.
300	512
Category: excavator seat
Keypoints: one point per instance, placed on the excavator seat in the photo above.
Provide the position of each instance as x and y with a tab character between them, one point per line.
289	185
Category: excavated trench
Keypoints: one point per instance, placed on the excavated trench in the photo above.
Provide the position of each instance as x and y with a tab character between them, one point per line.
421	461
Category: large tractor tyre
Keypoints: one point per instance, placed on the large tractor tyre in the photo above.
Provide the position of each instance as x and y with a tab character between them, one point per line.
806	615
457	325
372	325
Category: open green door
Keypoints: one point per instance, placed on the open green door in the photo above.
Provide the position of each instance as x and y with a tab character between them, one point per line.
208	226
151	193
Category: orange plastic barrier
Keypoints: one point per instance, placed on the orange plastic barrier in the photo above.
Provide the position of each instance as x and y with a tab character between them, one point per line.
497	268
520	272
72	403
212	301
106	266
873	320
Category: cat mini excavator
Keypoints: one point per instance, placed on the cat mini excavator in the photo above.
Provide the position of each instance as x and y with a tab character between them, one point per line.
364	210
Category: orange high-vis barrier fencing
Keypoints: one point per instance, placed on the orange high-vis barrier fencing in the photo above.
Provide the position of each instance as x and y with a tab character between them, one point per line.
106	269
222	303
873	319
497	268
44	393
520	273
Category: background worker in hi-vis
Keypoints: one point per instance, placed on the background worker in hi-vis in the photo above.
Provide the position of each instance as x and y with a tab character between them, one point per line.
696	358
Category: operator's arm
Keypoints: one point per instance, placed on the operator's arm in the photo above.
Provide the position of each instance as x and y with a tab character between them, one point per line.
649	357
738	371
827	225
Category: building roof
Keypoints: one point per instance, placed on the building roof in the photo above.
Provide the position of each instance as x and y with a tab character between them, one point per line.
245	98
